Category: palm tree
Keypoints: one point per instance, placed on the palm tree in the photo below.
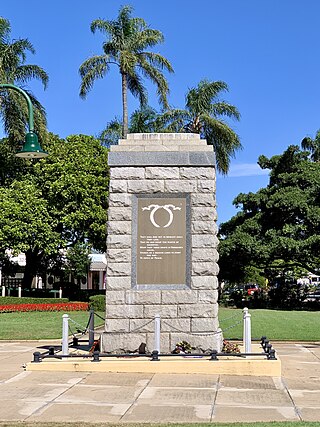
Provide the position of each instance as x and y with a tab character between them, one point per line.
202	115
127	39
312	145
13	70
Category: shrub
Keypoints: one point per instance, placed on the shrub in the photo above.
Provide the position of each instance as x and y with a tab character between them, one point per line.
97	302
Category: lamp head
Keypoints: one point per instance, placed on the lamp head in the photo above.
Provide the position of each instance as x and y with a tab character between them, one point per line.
31	148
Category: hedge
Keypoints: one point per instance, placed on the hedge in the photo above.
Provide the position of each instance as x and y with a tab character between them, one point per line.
98	302
29	300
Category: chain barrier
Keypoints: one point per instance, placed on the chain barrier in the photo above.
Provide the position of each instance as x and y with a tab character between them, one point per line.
228	318
100	317
82	330
142	326
203	334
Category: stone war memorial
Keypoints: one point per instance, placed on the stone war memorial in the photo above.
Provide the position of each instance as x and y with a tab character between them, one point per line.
161	244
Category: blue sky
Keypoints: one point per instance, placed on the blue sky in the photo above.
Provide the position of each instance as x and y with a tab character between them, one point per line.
266	51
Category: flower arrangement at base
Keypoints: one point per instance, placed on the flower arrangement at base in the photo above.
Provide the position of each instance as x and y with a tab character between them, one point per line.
183	347
65	306
229	347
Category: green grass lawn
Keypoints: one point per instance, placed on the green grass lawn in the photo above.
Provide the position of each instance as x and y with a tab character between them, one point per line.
275	324
38	325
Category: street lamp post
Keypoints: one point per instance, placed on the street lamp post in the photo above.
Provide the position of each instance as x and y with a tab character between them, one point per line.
31	148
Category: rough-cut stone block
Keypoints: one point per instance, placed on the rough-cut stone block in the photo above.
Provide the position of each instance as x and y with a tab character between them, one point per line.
203	199
127	149
124	312
118	199
143	297
118	186
165	346
204	255
204	325
115	297
205	241
117	325
203	214
121	342
120	241
179	186
175	325
162	136
141	325
127	173
118	268
168	311
197	173
181	296
119	255
211	296
206	186
116	213
205	269
204	282
200	342
145	186
205	148
119	227
162	172
198	310
118	282
204	227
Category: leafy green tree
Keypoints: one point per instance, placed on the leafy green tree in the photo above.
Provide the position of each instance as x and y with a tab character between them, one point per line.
14	70
59	203
313	145
126	42
277	228
77	261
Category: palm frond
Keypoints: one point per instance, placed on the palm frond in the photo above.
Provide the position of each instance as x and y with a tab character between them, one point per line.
224	140
137	88
25	73
92	69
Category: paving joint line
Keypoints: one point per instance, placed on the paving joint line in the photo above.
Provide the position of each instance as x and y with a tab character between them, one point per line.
49	403
137	397
215	398
296	409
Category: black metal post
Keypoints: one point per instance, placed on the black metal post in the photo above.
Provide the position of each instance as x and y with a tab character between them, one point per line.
91	328
96	355
266	342
272	354
155	356
36	357
214	355
51	351
75	341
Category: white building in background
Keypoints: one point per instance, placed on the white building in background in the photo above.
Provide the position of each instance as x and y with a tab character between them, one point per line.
95	279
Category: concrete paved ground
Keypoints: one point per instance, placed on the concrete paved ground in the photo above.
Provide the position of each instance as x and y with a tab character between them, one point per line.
118	397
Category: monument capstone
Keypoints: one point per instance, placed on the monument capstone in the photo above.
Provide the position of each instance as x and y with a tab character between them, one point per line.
161	244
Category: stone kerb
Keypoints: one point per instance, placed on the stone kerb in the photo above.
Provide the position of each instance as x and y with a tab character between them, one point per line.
188	312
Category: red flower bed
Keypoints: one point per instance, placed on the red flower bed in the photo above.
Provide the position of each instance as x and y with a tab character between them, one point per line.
63	306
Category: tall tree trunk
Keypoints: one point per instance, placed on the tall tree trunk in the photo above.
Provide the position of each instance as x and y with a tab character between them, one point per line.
30	270
124	106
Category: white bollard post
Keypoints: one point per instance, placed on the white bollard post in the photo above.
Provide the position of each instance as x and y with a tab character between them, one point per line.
3	291
19	291
246	330
65	335
157	326
60	293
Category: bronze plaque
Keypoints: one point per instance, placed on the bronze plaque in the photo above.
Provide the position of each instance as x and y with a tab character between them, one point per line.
161	241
